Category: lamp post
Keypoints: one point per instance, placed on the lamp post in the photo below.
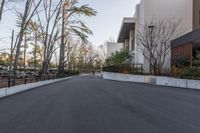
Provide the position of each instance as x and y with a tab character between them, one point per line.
151	28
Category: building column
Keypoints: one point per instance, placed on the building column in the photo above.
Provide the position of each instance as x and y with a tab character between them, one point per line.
127	45
131	41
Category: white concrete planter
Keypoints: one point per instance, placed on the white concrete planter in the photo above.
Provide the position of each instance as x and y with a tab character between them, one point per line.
123	77
3	92
171	82
157	80
193	84
20	88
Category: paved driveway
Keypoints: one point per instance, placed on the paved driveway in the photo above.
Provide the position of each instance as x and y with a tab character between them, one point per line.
89	104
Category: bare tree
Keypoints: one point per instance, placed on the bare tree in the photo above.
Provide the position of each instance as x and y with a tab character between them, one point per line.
1	8
72	55
154	42
72	25
68	49
34	29
50	29
23	21
80	55
102	52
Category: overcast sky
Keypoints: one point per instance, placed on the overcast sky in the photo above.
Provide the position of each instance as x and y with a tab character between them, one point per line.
105	25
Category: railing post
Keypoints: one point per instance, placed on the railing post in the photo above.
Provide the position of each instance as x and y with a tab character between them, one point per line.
141	68
25	81
9	82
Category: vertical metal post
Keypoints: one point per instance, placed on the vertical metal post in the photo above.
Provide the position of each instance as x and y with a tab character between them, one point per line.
25	80
9	79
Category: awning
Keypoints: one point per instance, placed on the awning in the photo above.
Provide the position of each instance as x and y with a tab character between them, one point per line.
191	37
128	24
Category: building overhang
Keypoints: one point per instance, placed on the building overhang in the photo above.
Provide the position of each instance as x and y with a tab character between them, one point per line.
191	37
128	24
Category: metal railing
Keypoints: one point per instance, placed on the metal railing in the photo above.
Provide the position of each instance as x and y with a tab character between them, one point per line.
9	81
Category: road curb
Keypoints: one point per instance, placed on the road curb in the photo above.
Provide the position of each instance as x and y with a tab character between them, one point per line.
4	92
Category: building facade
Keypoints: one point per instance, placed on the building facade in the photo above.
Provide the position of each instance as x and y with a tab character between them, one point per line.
185	11
196	14
185	48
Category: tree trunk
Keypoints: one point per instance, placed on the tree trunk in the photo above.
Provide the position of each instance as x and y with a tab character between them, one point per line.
1	8
61	66
17	55
25	45
35	53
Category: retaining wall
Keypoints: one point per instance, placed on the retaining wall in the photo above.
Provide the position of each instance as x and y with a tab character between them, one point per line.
157	80
123	77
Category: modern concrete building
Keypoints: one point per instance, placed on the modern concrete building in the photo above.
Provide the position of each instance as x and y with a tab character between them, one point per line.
185	11
187	46
127	34
196	14
113	47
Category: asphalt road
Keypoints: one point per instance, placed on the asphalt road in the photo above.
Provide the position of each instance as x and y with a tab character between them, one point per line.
89	104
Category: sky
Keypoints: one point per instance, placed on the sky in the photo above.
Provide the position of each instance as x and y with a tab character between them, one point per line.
108	21
106	24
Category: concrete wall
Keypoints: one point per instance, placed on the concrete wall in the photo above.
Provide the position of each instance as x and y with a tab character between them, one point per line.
20	88
171	82
193	84
123	77
163	9
139	15
157	80
112	47
183	83
148	10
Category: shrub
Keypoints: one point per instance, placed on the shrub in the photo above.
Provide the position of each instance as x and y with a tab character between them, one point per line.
192	72
196	61
117	58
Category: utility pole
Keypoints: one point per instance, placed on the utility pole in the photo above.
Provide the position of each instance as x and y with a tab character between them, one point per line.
11	51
